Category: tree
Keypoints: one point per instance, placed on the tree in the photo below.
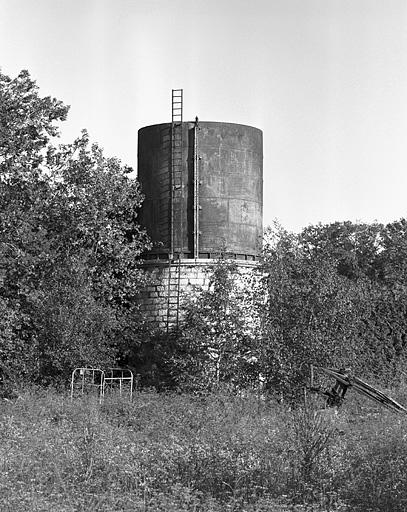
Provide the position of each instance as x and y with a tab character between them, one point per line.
354	246
69	240
312	314
216	342
335	295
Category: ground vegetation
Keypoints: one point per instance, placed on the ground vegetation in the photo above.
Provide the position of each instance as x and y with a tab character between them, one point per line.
208	453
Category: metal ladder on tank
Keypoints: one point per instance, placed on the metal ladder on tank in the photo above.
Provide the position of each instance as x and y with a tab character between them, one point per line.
177	195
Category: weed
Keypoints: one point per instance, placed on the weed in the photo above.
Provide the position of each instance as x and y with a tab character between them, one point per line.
186	453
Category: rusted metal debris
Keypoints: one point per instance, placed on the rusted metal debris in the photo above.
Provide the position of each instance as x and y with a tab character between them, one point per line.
344	381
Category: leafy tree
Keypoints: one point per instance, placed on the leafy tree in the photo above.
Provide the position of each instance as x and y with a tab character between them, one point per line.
354	246
69	241
312	315
335	296
393	256
216	342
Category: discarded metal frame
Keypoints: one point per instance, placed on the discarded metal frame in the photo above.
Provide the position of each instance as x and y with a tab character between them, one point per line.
89	378
96	378
120	376
344	381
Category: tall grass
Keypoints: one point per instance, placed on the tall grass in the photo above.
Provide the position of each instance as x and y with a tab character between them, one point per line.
186	453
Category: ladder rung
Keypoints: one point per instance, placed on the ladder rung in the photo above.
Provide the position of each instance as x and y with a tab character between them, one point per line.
177	161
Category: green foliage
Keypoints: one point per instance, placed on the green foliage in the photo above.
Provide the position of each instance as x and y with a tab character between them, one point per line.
354	247
27	122
335	296
332	295
209	453
312	315
69	241
216	341
378	466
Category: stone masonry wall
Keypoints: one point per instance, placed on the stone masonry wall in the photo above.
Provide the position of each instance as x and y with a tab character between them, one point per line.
161	301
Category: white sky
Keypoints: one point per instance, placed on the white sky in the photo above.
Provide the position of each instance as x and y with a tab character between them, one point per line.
326	81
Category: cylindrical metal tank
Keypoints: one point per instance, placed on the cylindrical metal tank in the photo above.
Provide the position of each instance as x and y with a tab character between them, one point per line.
211	201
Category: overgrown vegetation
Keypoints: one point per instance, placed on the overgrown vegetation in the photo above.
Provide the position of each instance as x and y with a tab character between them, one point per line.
332	295
69	242
336	296
217	452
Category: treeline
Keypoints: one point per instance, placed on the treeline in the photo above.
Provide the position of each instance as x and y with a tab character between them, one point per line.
69	278
337	296
332	295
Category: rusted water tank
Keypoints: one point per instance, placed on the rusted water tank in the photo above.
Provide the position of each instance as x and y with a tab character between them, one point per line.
216	203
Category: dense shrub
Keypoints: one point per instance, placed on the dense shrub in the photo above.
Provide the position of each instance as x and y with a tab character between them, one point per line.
69	243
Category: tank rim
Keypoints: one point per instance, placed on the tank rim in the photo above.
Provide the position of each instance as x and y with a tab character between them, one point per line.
202	122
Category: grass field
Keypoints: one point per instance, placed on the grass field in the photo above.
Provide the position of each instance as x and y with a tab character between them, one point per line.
178	453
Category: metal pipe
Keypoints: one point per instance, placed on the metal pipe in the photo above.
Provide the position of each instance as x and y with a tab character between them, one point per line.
196	191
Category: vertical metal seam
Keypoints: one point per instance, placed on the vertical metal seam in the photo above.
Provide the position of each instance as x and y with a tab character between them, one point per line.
181	180
196	192
178	290
168	295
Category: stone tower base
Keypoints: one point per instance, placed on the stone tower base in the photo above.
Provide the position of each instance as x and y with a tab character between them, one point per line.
171	285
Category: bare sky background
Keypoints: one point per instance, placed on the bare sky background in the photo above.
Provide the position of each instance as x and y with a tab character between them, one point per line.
326	81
